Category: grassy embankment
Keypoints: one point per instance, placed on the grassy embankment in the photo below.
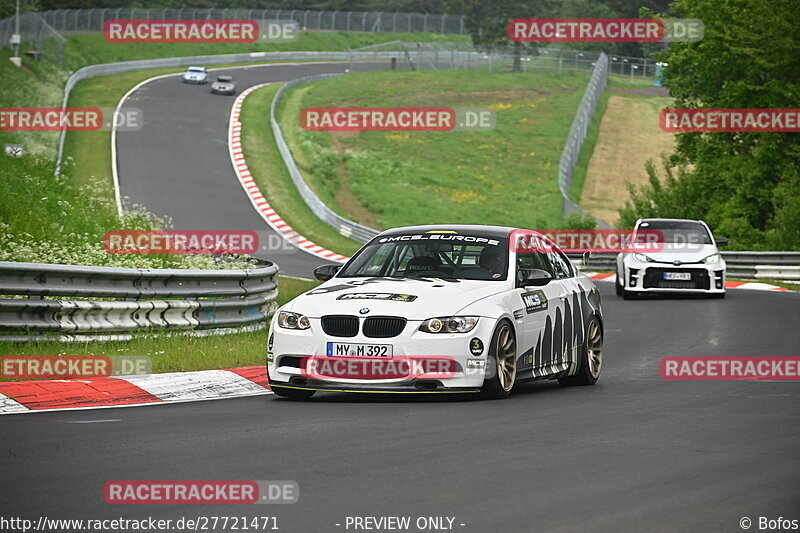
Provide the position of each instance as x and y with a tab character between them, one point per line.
383	179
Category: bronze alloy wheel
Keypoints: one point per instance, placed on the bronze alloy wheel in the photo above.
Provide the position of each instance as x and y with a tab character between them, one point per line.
594	349
506	355
501	371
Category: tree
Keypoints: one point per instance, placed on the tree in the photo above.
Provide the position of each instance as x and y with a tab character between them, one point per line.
487	22
742	184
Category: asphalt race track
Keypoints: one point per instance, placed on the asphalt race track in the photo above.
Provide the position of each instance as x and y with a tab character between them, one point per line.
633	453
178	163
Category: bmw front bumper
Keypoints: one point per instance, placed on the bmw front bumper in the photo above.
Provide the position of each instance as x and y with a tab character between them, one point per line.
291	350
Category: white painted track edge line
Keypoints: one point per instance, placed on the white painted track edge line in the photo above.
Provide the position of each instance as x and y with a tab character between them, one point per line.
114	170
143	404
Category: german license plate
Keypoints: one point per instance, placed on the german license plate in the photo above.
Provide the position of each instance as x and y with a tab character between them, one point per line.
367	351
678	276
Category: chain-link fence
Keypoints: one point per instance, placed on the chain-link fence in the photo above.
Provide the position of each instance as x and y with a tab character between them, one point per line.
439	55
91	20
37	36
577	134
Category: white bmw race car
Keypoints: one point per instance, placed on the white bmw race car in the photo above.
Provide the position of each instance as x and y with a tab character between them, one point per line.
440	309
672	255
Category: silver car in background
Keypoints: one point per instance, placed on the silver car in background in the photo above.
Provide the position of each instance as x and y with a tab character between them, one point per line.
224	85
195	75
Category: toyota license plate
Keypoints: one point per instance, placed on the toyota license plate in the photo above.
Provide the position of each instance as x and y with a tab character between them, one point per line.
367	351
678	276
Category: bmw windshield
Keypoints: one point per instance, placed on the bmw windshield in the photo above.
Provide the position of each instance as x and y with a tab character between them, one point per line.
443	256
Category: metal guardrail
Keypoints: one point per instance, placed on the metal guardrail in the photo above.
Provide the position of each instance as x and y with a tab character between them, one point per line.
781	266
130	299
577	134
344	226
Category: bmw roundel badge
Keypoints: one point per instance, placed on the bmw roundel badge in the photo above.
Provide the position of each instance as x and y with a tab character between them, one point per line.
364	310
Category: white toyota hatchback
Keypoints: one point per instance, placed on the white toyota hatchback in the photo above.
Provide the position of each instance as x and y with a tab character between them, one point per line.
677	255
440	309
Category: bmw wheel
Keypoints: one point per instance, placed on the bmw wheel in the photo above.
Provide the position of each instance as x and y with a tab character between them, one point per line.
502	363
591	357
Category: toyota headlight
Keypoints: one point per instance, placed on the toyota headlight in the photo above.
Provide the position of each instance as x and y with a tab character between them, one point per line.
643	258
711	259
289	320
449	324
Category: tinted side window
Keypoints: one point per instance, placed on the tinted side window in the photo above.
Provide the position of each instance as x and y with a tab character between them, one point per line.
535	260
561	265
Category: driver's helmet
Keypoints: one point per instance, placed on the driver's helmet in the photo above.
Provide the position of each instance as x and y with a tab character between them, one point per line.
491	258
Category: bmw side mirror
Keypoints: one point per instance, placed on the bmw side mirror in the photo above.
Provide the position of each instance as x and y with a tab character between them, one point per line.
326	272
722	241
533	277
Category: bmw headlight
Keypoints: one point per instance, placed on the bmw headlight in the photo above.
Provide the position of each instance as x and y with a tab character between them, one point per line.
449	324
711	259
289	320
643	258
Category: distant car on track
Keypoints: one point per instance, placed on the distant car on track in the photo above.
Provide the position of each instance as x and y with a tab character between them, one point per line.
195	75
224	85
494	313
685	259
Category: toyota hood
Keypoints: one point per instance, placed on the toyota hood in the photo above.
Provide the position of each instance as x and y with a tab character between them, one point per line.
411	298
685	253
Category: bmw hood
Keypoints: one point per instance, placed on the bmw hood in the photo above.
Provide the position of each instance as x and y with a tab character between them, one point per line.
414	299
685	253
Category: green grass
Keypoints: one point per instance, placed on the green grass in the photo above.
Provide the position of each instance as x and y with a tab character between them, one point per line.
82	50
177	353
504	176
587	149
49	219
38	83
269	172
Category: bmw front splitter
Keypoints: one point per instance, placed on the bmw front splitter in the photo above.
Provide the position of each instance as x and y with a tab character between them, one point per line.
422	386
